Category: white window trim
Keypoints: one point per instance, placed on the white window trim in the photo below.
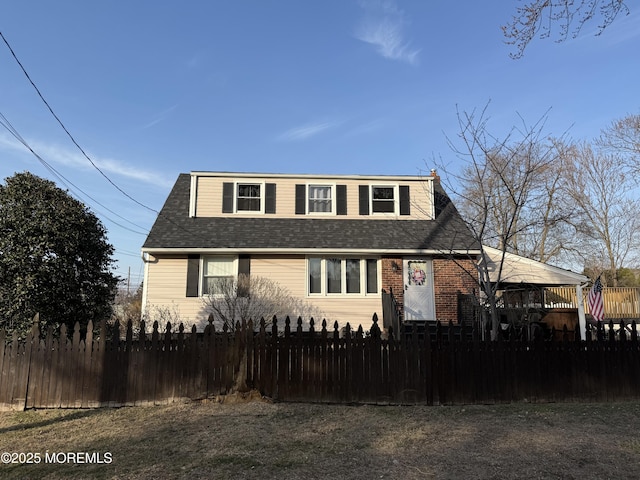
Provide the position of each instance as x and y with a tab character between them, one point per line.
396	198
203	259
262	197
308	197
343	277
193	195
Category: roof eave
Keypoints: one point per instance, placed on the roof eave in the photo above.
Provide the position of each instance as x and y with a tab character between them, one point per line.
307	251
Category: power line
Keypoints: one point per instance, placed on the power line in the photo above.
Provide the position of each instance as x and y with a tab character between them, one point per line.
65	181
181	227
128	254
67	131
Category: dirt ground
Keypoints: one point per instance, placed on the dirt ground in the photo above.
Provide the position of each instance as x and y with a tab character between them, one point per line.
257	439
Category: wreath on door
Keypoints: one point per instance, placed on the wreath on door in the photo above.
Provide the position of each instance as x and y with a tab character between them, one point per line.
418	276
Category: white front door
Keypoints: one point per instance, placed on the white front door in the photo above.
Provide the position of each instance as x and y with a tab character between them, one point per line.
419	300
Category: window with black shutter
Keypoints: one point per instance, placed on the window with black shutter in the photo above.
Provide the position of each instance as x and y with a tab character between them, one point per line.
363	191
341	199
405	200
193	275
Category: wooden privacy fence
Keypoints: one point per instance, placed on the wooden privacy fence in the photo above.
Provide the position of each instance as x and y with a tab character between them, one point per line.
314	365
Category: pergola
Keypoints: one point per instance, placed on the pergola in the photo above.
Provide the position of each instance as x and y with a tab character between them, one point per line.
520	271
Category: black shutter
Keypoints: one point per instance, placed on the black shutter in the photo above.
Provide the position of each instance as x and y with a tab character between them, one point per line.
193	275
341	199
270	198
227	197
301	199
405	203
244	265
244	269
364	199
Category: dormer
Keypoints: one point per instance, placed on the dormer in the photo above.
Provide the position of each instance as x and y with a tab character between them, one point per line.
215	194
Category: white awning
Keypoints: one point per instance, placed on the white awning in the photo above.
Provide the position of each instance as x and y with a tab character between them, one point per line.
517	269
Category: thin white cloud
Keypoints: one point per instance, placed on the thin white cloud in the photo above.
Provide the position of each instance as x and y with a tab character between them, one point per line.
160	117
54	154
622	30
383	27
304	132
195	61
366	128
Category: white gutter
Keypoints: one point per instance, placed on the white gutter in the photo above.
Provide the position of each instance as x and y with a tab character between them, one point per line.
145	283
257	175
294	251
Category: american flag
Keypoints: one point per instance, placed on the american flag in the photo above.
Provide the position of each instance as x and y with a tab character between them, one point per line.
594	300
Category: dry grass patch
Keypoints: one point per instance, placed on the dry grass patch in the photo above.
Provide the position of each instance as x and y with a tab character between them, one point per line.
255	439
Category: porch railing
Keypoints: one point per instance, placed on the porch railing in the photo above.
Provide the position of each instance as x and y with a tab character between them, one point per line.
619	302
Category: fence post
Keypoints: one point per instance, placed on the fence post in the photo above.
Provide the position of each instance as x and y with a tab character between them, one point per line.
3	375
32	337
336	374
297	367
284	364
376	357
273	355
325	375
249	340
311	362
260	372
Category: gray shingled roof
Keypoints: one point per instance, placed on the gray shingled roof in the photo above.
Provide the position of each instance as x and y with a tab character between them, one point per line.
175	229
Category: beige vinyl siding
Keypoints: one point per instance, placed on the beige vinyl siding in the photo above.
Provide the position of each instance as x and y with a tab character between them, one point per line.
166	288
166	292
209	195
290	272
353	310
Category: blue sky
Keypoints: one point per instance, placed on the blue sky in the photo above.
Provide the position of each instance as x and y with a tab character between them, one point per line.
152	89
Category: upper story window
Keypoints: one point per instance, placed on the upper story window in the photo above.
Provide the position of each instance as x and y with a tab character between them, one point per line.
320	199
249	198
383	199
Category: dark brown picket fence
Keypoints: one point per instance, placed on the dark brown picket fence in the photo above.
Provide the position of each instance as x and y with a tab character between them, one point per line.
315	365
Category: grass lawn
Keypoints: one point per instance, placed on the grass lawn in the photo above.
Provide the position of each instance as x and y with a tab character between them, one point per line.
263	440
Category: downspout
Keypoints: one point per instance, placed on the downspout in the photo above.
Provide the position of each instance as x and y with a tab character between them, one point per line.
145	285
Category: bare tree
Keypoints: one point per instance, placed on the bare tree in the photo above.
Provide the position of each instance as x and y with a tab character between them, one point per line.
547	233
128	306
508	188
506	192
250	297
608	211
623	138
561	18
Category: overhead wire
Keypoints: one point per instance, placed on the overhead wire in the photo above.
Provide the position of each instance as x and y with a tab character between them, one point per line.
159	213
67	131
65	181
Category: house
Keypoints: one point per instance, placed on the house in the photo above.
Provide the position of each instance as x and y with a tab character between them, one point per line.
334	241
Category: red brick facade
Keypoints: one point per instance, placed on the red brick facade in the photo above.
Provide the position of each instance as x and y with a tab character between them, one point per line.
392	277
450	277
